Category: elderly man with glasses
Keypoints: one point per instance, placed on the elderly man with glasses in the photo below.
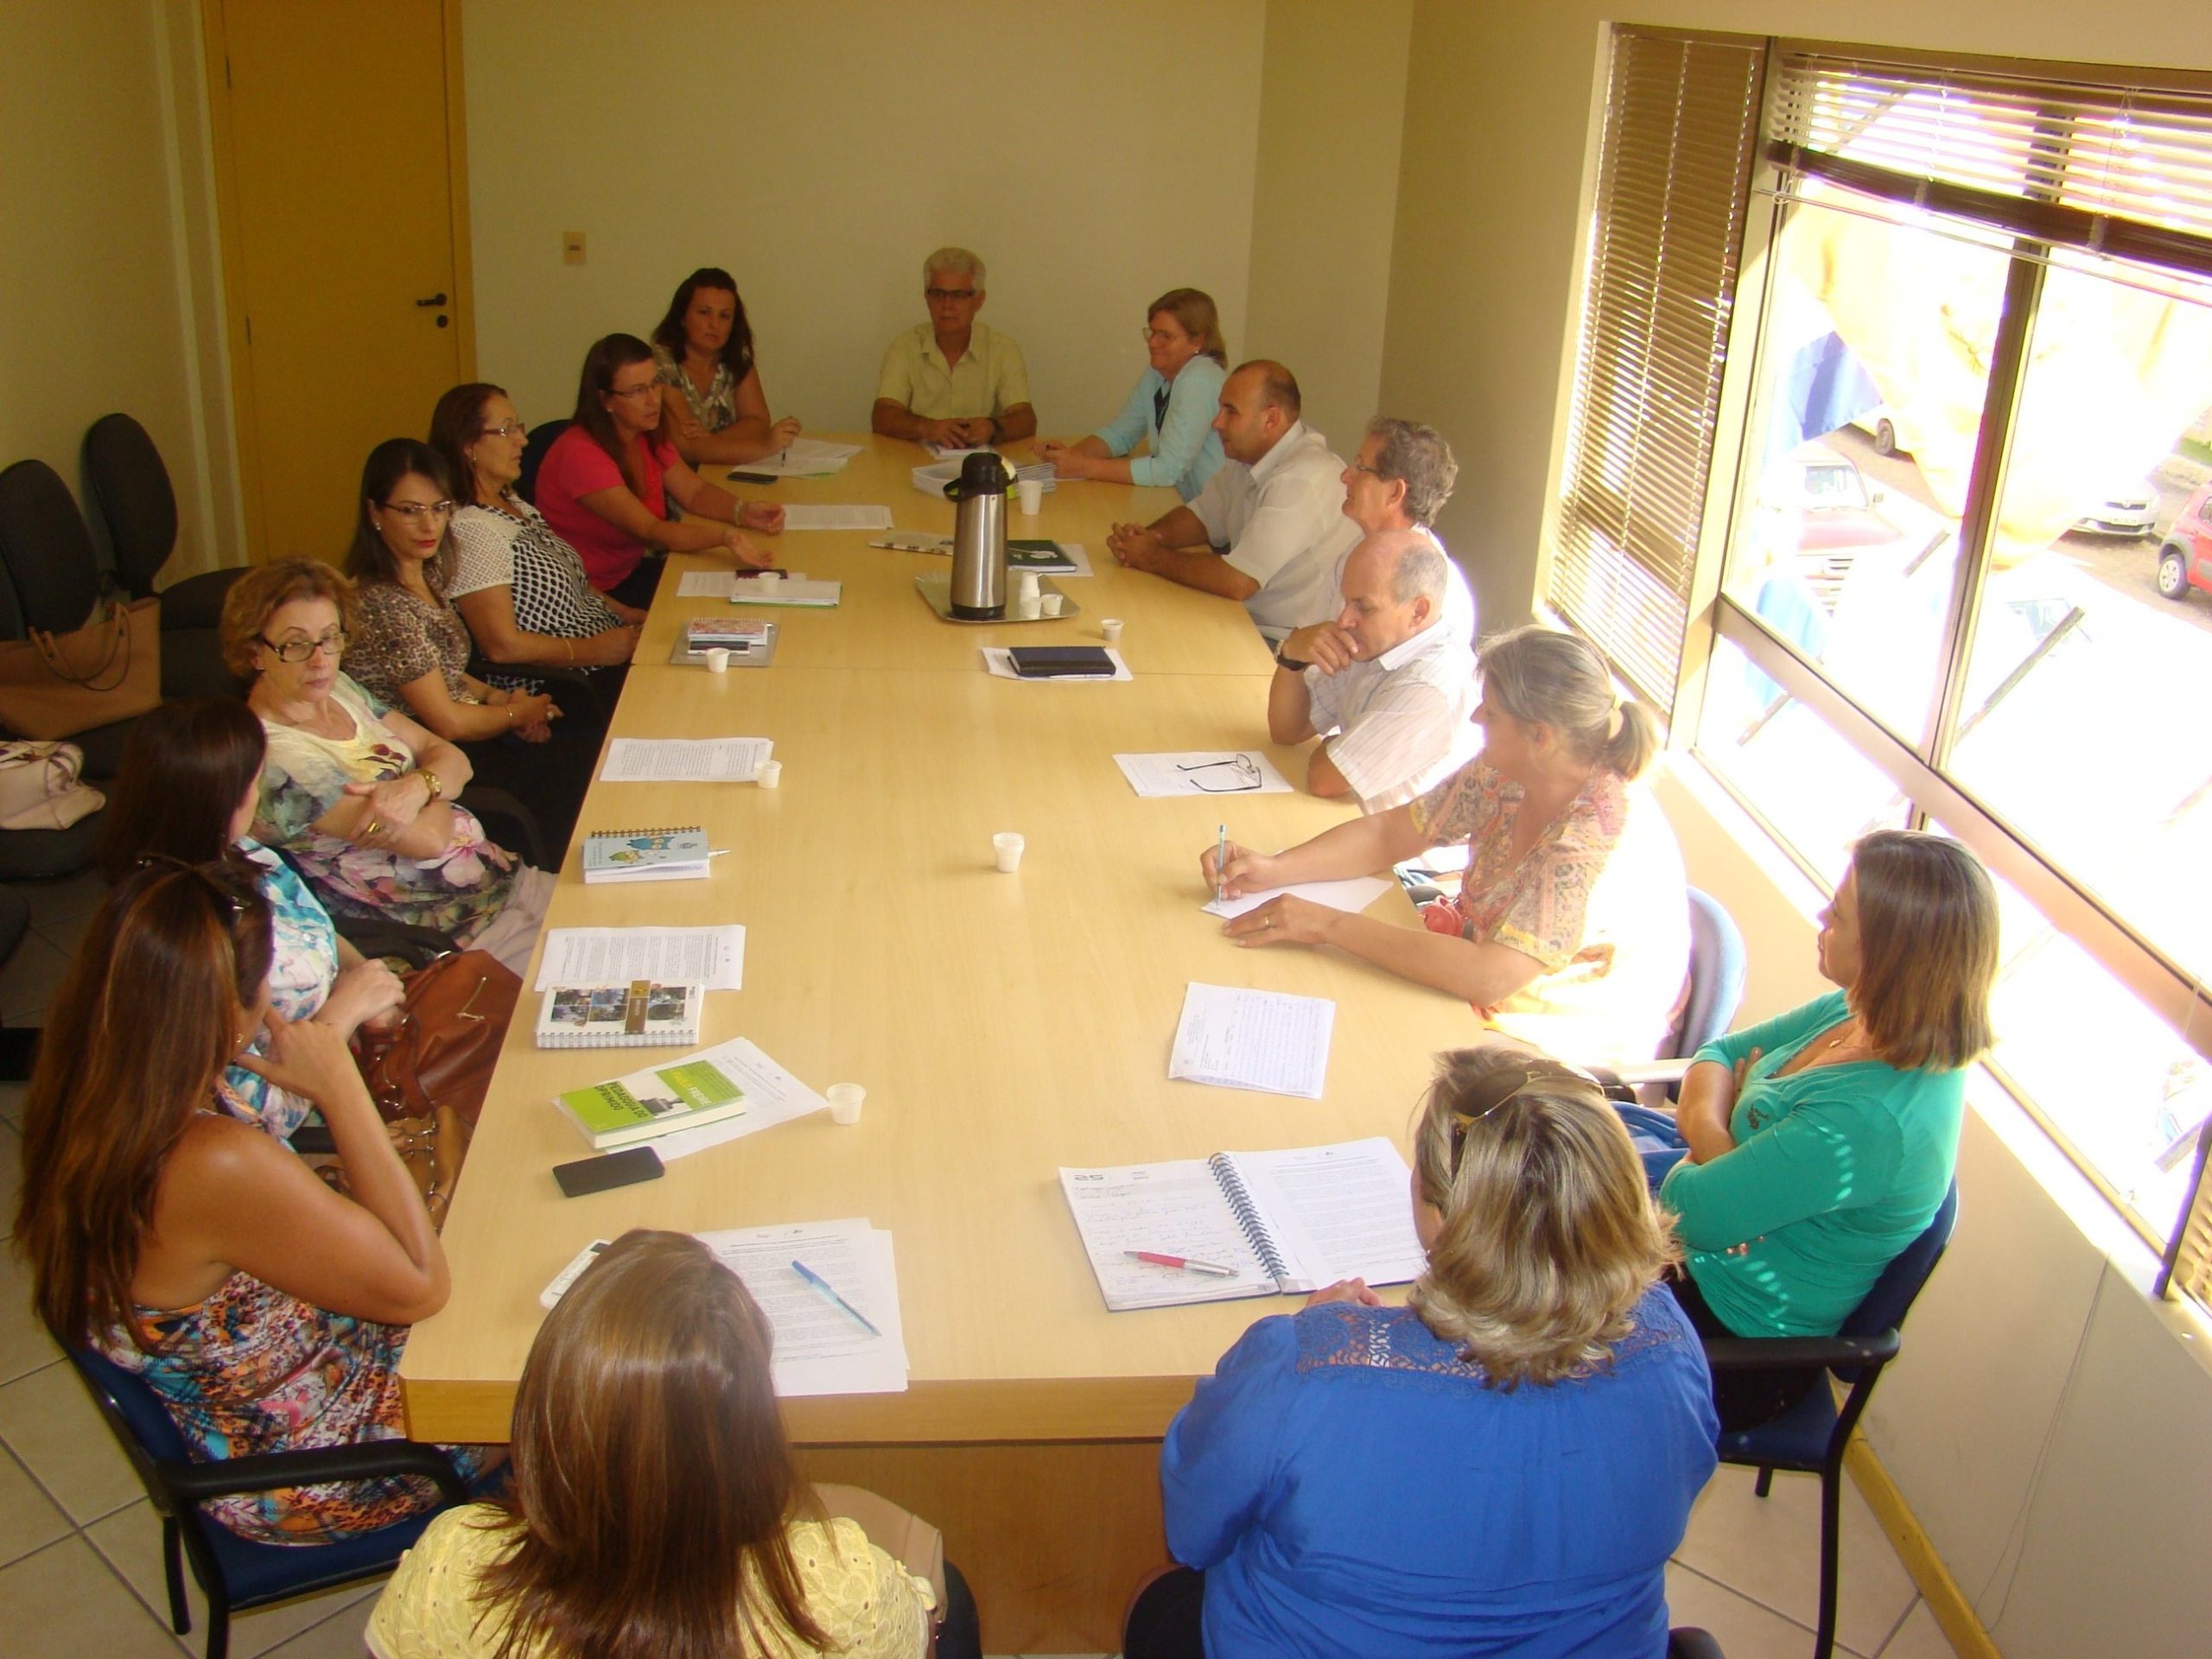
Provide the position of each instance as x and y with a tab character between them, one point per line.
952	380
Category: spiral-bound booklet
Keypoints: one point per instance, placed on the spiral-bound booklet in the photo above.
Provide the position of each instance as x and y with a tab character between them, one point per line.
1246	1223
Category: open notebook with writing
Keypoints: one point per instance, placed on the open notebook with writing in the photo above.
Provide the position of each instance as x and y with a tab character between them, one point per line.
1281	1222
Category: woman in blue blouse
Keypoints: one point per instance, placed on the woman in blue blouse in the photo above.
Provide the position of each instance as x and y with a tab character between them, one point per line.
1501	1466
1174	403
1821	1142
190	780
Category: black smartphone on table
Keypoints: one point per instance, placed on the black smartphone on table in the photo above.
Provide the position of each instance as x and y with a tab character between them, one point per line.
609	1170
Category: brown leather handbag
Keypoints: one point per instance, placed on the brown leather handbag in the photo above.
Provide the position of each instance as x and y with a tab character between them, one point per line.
59	685
447	1039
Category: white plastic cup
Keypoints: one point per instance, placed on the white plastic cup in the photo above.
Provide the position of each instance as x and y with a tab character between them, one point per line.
1111	628
769	774
1008	846
1052	603
769	578
717	659
846	1100
1025	590
1032	490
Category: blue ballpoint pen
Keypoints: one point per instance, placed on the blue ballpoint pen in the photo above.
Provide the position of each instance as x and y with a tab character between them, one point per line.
824	1287
1220	860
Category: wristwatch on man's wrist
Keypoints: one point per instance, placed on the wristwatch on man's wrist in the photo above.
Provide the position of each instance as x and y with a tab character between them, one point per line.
1290	663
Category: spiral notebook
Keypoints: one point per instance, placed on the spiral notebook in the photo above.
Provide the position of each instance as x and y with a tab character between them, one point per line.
668	853
1273	1222
639	1014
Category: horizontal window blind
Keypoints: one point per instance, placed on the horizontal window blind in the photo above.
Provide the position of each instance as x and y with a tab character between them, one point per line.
2113	169
1676	155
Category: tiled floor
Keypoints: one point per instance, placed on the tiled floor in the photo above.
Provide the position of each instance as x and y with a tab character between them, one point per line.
80	1548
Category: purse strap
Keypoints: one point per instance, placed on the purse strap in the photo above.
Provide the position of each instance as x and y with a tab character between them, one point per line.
119	646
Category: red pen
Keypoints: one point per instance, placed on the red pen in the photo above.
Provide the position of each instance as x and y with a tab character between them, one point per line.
1184	1262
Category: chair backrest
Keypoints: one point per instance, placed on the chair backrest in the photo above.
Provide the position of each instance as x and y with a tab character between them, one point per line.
1885	1306
46	550
135	1415
533	456
126	479
1717	970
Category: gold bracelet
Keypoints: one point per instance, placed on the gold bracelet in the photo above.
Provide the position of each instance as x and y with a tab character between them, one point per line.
432	778
571	644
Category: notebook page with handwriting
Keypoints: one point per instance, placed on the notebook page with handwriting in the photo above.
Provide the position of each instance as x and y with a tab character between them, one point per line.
1341	1212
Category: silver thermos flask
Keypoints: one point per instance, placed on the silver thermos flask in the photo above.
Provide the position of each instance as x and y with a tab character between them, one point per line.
979	539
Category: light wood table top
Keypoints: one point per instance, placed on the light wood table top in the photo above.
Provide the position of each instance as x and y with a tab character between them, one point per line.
1002	1024
883	623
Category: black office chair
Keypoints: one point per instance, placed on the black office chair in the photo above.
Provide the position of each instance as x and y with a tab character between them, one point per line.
1688	1642
50	561
18	1044
235	1574
1810	1437
127	481
533	456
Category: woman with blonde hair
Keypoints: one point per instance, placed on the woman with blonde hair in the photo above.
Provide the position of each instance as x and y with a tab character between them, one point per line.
1501	1466
654	1512
1820	1143
1173	404
1571	927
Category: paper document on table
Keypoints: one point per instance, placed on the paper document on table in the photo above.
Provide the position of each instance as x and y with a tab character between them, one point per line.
1266	1040
848	516
1201	772
711	957
998	662
1351	895
683	760
803	458
772	1096
820	1348
705	584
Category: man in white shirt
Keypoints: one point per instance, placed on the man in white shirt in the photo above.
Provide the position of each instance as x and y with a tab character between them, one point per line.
1387	682
1400	480
1276	504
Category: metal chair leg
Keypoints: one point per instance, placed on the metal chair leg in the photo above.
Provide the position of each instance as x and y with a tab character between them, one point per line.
1831	1550
173	1571
1765	1481
218	1628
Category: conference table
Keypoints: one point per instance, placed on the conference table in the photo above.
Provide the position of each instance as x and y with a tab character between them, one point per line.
1003	1025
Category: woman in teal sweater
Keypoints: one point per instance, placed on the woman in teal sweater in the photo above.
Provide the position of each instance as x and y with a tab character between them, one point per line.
1821	1142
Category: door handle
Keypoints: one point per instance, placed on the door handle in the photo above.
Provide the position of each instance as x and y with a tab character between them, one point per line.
435	299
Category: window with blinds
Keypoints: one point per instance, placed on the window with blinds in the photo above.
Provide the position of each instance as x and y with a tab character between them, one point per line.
1676	158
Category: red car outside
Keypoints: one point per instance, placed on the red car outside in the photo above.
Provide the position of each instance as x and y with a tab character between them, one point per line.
2185	559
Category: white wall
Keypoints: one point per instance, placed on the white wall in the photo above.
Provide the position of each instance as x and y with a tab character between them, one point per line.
93	261
1094	155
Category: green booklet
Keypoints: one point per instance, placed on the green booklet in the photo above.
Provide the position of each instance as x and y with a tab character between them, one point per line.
684	1095
1038	555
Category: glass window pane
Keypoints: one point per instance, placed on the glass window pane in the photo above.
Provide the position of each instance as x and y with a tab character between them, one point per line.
1874	370
2073	725
2125	1094
1818	793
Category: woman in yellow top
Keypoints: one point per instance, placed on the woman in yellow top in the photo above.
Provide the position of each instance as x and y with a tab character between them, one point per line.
1571	929
655	1513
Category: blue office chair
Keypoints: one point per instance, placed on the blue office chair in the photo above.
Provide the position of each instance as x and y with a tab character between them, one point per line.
1811	1436
1717	971
234	1573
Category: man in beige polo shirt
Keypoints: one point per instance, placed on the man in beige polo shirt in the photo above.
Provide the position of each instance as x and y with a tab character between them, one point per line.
953	380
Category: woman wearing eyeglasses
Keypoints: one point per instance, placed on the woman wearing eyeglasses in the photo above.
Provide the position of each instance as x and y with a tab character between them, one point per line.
1501	1466
1173	404
1571	927
606	482
410	649
267	1312
359	795
521	589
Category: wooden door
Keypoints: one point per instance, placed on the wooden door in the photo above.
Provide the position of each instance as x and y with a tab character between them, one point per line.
337	148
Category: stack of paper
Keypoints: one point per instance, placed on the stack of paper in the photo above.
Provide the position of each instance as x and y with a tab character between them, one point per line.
838	516
710	956
792	590
1266	1040
683	760
838	1331
772	1096
804	458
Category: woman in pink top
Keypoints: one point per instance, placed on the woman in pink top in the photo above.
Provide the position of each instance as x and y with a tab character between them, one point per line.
605	483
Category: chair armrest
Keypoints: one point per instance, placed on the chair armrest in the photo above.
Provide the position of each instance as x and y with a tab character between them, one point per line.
1744	1353
488	803
263	1471
579	698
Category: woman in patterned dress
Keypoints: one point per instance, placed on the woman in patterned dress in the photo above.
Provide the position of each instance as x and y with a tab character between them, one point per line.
654	1510
1571	929
358	794
268	1312
187	789
410	650
520	588
712	409
1504	1465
